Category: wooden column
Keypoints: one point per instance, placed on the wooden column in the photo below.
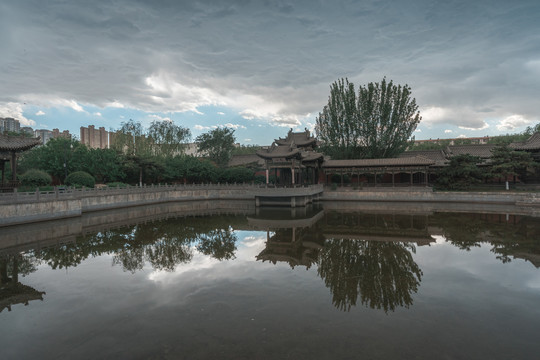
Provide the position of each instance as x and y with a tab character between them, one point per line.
292	172
3	174
393	179
14	166
267	172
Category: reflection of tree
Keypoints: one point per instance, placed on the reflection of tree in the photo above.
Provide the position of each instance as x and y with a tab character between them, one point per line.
218	243
11	290
509	235
384	274
164	244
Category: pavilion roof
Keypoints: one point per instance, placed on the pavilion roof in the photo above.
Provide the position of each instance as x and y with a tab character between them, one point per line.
244	160
438	156
279	151
300	139
532	143
17	143
401	161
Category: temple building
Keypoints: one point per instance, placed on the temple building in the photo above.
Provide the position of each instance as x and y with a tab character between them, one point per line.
292	160
10	147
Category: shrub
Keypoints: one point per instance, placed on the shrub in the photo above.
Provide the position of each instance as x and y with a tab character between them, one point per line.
80	178
35	178
117	184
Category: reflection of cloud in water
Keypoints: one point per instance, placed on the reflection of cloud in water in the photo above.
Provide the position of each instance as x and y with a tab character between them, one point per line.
250	244
439	240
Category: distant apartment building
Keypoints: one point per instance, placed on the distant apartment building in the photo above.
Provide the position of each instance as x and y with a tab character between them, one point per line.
474	141
9	124
64	134
27	130
95	138
44	134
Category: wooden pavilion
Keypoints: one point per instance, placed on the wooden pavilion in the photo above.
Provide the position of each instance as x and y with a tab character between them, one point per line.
293	159
10	147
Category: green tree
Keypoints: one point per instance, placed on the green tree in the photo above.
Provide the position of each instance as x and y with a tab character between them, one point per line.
377	123
105	165
506	162
168	139
58	157
136	146
461	172
217	144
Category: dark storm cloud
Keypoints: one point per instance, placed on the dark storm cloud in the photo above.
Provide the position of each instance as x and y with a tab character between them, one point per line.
273	58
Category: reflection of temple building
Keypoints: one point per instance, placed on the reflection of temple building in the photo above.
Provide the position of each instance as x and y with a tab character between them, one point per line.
12	292
377	227
298	240
294	240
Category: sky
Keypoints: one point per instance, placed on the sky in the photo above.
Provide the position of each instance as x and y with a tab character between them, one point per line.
264	67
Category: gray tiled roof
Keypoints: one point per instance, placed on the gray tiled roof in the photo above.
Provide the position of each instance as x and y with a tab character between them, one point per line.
483	151
298	138
17	143
532	143
401	161
243	160
438	156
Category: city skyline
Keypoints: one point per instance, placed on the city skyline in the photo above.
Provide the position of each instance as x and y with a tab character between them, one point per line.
264	67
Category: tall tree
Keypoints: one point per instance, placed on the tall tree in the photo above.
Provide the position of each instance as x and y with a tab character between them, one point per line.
136	146
168	138
377	123
59	157
461	173
506	162
217	144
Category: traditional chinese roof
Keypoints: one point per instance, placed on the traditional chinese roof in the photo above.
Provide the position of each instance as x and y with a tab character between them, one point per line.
279	151
361	163
438	156
17	143
245	160
300	139
483	151
532	143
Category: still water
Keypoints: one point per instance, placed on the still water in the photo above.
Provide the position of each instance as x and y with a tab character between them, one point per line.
278	284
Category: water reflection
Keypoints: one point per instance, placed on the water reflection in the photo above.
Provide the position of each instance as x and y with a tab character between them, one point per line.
380	270
164	244
362	258
13	292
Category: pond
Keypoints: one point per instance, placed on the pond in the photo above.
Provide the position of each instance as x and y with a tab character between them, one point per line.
309	283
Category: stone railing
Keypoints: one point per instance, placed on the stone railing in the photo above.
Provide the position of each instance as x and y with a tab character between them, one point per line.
60	193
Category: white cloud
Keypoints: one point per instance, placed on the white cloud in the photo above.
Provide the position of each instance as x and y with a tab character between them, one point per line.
418	130
40	113
97	114
159	118
247	140
447	131
15	111
201	127
234	126
462	136
485	126
220	113
512	122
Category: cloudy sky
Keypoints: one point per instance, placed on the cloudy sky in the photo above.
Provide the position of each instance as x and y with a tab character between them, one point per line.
263	67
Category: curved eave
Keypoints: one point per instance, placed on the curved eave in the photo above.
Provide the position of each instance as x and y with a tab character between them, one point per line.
17	143
273	155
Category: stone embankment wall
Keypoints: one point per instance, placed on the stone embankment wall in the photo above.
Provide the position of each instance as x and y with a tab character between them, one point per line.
524	202
31	207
